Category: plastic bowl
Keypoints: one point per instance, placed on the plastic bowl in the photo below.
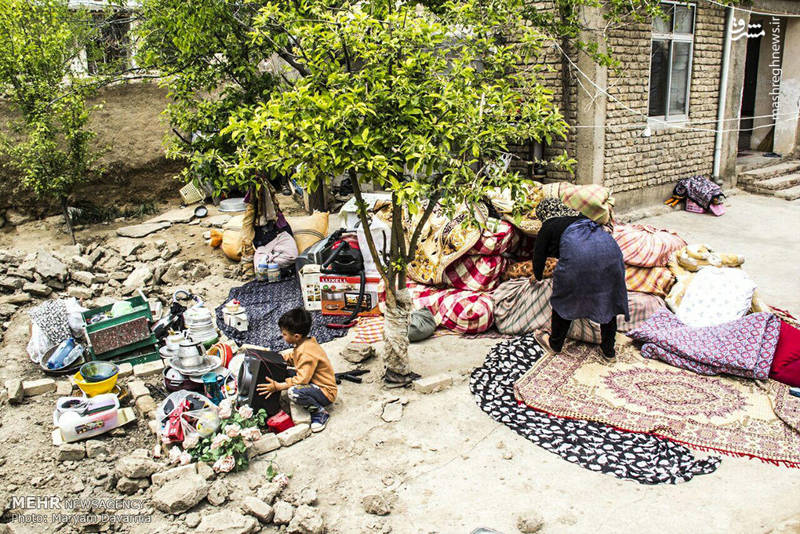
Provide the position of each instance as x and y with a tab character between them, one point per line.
95	388
98	371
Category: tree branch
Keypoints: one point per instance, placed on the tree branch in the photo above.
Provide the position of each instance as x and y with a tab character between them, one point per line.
412	245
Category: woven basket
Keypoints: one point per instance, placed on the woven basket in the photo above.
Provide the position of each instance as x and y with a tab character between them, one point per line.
190	194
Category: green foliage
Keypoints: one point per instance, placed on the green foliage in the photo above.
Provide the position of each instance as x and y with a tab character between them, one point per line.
50	147
421	104
211	67
233	447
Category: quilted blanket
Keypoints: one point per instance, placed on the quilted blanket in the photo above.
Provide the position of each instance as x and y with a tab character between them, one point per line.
744	347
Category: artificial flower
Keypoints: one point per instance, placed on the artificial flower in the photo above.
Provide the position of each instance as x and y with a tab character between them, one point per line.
185	458
246	412
224	465
251	434
233	431
219	440
225	409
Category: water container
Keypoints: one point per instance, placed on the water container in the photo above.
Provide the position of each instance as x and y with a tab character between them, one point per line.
262	271
273	272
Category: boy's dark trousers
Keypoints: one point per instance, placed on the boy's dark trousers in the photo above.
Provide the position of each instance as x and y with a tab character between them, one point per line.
309	397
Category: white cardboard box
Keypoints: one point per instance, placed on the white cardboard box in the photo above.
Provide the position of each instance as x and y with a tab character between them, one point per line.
310	286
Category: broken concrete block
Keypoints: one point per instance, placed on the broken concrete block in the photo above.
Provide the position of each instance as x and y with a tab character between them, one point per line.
432	384
71	452
292	435
148	369
48	266
267	443
38	386
95	447
138	278
83	277
299	414
392	412
145	405
137	389
257	508
159	479
137	465
15	391
125	369
81	263
141	230
175	216
129	486
282	513
182	494
80	293
306	520
36	289
63	388
357	352
228	522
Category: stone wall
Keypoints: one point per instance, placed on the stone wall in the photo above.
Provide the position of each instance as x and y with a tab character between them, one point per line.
640	169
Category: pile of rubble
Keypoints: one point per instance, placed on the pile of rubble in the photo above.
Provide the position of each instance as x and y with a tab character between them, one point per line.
114	270
239	503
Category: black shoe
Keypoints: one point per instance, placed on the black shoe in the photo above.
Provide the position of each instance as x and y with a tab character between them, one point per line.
396	380
609	357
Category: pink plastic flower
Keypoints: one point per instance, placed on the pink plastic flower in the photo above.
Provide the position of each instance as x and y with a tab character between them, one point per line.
233	431
225	409
251	434
219	440
191	441
224	464
174	455
282	479
185	458
246	412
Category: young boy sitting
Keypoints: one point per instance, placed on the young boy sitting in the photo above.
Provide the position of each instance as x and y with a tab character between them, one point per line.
314	385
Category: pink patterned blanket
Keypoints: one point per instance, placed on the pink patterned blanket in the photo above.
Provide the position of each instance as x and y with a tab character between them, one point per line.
744	347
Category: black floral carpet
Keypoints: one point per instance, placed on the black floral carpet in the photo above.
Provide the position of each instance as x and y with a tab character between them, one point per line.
640	457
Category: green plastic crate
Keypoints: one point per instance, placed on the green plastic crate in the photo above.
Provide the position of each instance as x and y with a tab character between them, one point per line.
112	337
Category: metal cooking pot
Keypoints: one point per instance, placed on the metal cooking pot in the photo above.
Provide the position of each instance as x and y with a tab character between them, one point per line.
190	354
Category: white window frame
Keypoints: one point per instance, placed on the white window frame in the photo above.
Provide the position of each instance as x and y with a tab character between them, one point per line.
672	38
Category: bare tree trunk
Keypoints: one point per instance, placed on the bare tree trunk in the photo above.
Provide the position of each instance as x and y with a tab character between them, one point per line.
68	220
395	331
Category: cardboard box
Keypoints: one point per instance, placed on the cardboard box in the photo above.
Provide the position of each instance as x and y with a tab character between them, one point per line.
310	286
340	295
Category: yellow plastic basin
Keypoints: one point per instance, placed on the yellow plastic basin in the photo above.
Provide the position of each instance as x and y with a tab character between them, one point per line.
95	388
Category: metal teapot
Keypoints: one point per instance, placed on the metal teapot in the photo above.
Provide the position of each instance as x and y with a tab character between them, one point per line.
190	354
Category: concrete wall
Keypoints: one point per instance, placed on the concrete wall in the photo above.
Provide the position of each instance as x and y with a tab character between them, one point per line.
769	63
642	170
786	125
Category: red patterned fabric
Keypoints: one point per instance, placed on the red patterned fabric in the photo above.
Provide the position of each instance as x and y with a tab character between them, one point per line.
492	243
463	311
476	273
369	330
646	246
786	364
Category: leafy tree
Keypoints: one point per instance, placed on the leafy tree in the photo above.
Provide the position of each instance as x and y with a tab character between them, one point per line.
50	146
211	67
421	104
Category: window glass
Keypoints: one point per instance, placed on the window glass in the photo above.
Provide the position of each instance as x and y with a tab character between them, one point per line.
664	24
680	78
684	19
659	68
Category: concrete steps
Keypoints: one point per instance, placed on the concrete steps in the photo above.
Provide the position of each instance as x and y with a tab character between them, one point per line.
781	180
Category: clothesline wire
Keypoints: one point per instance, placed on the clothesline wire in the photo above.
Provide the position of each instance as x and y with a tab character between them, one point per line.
647	119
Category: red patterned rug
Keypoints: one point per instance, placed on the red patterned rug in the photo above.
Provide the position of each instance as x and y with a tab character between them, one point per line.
731	415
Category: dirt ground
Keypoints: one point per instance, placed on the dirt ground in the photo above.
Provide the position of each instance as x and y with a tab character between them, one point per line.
452	467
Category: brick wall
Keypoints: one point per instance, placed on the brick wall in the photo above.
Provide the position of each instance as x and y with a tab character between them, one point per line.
633	162
562	83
